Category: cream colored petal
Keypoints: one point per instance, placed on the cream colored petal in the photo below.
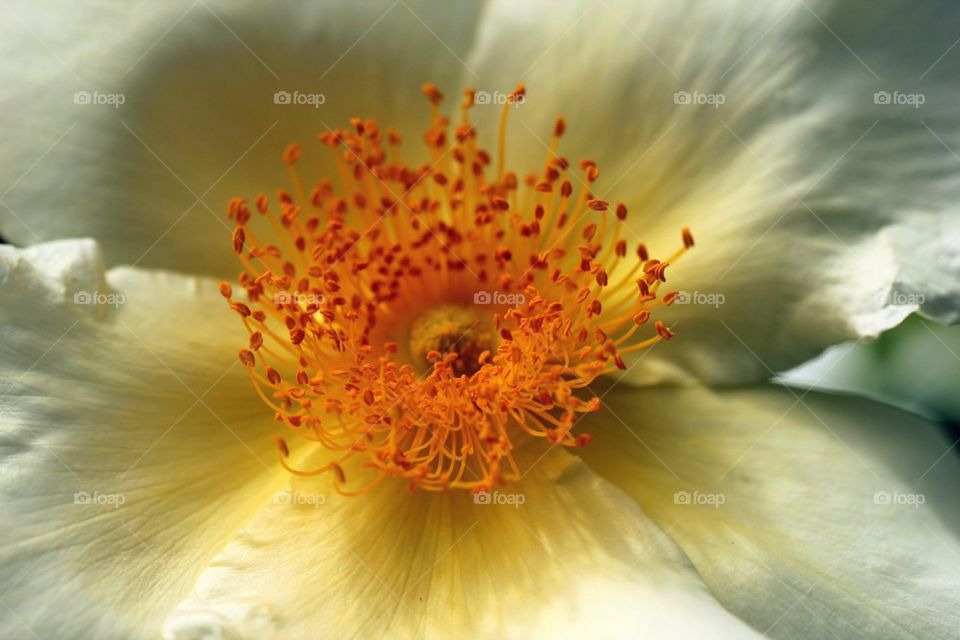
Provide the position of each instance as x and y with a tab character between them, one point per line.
820	213
809	516
887	369
131	445
560	554
198	124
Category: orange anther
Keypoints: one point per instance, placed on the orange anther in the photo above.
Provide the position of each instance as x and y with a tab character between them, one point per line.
559	127
282	446
246	357
663	331
291	154
432	92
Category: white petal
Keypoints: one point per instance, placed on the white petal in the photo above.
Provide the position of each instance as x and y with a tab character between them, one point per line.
887	369
811	205
198	123
571	557
131	447
808	516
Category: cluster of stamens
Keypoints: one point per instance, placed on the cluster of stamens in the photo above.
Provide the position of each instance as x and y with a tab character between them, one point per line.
426	318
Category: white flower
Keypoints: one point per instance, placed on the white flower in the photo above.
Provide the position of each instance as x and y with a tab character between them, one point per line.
141	490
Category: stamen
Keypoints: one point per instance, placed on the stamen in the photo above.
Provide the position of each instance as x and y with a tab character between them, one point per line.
424	318
515	96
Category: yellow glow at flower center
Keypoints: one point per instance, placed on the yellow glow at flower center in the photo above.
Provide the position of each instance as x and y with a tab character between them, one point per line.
423	319
451	329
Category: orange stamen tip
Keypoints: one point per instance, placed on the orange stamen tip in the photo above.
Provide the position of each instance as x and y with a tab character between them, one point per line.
282	446
420	320
432	92
239	239
663	330
559	127
291	154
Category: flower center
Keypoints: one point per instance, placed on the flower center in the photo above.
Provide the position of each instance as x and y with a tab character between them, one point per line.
423	319
450	329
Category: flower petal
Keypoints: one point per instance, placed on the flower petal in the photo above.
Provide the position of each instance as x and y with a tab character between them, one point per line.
887	369
808	515
127	455
149	176
815	206
564	554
